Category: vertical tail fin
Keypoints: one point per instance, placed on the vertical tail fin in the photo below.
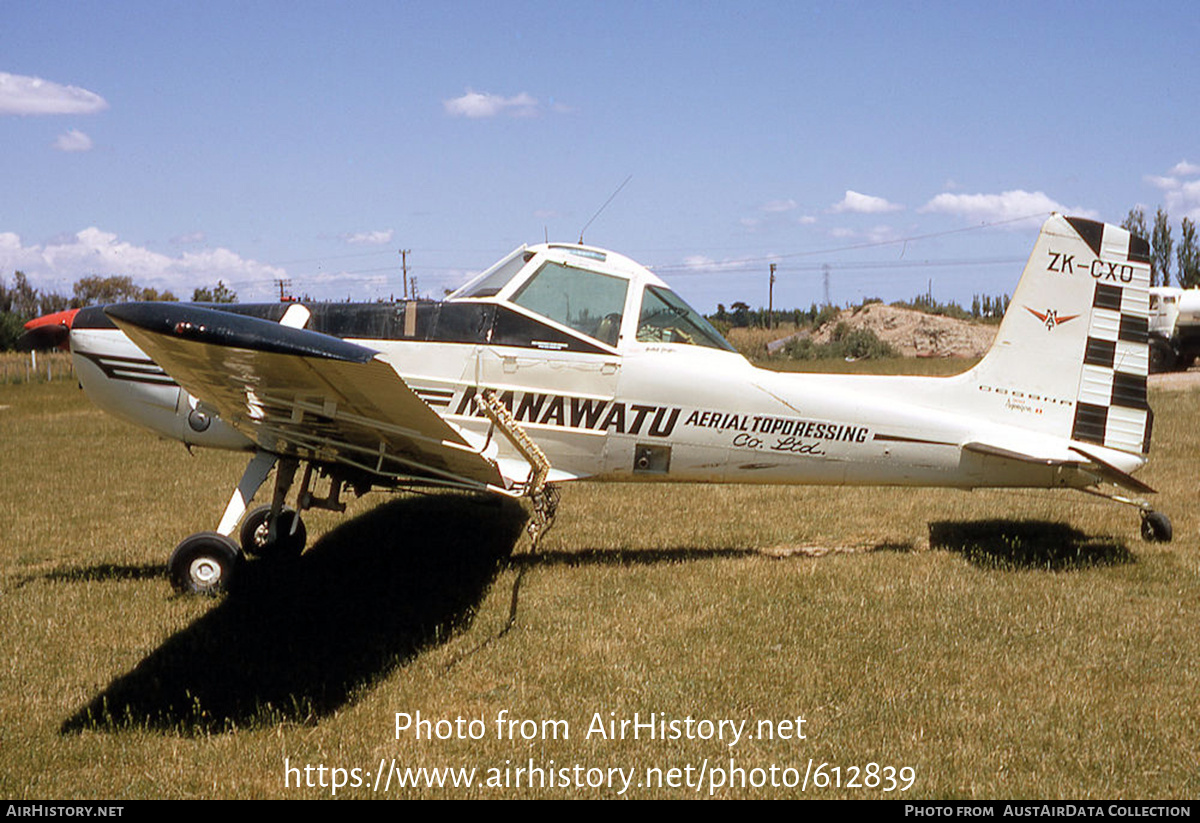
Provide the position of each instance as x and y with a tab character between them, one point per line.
1072	353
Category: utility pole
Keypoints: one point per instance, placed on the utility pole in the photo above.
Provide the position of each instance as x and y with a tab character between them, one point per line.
771	300
404	253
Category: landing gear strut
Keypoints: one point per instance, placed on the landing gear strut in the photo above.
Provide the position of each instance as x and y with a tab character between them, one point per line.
204	563
1156	526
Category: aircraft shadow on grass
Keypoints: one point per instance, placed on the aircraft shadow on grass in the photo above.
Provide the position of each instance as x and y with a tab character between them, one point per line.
1027	544
97	572
295	641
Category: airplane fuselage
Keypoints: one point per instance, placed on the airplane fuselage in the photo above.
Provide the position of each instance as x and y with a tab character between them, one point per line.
650	413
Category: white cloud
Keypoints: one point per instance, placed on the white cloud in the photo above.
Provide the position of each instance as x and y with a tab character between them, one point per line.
864	204
1182	197
1165	183
806	220
369	238
33	95
73	141
93	251
700	262
1009	205
476	105
776	206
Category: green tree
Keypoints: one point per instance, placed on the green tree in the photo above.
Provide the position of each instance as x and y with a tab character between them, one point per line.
11	327
99	291
17	304
1188	256
20	303
95	290
22	299
219	293
1160	250
1135	223
149	293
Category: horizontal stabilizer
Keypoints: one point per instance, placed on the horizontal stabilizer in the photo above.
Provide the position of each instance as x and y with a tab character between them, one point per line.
1068	458
1114	475
1009	454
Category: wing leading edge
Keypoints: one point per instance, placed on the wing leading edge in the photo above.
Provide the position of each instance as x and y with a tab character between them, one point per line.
305	394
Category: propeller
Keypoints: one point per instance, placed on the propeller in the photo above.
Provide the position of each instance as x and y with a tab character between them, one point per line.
50	331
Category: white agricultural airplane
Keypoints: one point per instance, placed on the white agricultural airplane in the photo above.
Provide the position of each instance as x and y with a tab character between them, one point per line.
565	362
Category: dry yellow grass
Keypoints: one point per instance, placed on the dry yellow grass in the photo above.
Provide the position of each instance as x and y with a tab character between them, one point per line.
1001	644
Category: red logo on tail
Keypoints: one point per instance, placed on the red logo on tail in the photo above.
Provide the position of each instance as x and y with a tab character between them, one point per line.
1050	318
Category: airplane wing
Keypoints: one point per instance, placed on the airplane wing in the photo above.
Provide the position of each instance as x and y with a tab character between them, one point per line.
306	394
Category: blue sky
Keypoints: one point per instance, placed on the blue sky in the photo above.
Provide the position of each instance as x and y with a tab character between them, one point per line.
182	143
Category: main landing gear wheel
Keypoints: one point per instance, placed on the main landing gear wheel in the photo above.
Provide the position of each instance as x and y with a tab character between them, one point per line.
256	534
1156	527
203	563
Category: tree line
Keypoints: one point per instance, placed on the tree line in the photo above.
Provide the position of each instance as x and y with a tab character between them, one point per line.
1186	255
739	315
20	302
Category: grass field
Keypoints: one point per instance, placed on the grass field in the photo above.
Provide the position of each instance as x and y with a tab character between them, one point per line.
998	644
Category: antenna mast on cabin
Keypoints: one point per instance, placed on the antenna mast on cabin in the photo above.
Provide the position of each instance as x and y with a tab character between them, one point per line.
602	208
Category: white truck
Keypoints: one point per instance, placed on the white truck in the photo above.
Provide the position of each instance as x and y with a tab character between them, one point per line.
1174	328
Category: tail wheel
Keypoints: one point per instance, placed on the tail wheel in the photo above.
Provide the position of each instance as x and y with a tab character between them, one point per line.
256	534
203	563
1156	528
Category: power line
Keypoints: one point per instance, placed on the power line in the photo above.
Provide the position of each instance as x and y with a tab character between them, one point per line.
739	268
859	246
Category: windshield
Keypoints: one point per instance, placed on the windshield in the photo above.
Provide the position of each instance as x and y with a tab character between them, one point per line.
586	301
665	318
495	278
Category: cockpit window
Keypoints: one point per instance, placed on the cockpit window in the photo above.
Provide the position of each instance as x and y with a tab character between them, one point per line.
587	301
665	318
495	278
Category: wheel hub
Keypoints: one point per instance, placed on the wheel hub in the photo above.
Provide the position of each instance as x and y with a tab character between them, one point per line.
205	571
262	535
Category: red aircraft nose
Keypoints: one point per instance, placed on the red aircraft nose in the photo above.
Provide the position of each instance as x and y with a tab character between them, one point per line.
49	331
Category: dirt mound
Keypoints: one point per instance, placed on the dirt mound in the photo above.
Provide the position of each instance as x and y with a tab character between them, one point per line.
914	333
